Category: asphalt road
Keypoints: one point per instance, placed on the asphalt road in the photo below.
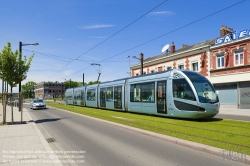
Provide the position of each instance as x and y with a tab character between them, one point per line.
107	145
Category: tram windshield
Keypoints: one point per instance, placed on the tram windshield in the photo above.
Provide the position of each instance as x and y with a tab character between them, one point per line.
204	88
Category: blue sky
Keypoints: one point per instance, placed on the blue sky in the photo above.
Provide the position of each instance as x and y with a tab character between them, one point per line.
66	30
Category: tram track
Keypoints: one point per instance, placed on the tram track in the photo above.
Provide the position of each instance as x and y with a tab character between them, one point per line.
130	123
180	125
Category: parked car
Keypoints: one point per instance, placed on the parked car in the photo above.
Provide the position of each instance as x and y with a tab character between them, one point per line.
37	104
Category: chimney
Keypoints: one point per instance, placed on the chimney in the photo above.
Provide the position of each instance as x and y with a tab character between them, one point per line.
224	30
172	48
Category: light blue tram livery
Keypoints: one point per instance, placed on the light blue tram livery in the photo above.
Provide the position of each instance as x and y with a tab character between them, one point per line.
111	95
79	96
69	96
172	93
91	95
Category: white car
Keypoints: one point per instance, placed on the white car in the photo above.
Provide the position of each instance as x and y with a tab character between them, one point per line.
37	104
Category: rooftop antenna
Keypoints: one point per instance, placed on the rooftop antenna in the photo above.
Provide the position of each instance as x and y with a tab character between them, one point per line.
165	49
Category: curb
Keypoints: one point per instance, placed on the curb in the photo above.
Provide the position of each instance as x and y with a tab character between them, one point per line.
186	143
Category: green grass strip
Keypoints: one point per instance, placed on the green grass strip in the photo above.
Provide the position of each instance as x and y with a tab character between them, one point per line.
225	134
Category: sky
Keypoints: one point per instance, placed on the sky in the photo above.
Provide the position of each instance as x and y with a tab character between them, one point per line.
73	34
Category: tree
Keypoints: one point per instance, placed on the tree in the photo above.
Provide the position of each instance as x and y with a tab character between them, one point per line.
13	68
70	84
94	82
74	84
28	89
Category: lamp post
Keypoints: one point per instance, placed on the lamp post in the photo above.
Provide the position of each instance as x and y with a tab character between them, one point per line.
141	59
129	65
20	57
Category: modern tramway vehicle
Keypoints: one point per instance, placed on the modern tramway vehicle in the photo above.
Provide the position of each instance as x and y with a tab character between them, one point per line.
171	93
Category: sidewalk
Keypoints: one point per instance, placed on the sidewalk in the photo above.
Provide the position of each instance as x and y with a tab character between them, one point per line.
234	111
24	144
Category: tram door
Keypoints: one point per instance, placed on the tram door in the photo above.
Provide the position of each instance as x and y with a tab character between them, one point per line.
103	97
161	97
118	97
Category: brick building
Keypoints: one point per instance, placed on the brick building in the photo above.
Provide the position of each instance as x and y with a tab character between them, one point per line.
225	61
49	89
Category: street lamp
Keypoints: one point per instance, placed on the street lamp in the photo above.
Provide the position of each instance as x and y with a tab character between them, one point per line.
129	65
20	57
141	59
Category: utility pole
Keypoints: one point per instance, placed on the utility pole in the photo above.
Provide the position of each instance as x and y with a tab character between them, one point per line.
141	60
62	91
82	79
129	65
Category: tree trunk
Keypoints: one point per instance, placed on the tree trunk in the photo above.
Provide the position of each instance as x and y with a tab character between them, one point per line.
11	103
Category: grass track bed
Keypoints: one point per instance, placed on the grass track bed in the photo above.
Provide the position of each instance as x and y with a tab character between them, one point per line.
225	134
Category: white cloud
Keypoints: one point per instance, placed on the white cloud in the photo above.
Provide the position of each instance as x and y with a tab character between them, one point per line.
161	13
99	26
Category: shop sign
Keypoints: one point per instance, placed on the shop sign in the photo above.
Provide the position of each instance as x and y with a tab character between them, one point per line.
233	36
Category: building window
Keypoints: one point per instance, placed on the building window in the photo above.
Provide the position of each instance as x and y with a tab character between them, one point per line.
238	58
220	61
144	72
181	67
195	66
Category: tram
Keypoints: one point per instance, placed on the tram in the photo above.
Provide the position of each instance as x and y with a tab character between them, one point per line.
171	93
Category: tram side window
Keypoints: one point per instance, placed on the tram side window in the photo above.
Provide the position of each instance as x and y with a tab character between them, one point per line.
147	92
135	93
91	95
79	95
66	95
69	96
82	95
109	94
181	89
142	92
